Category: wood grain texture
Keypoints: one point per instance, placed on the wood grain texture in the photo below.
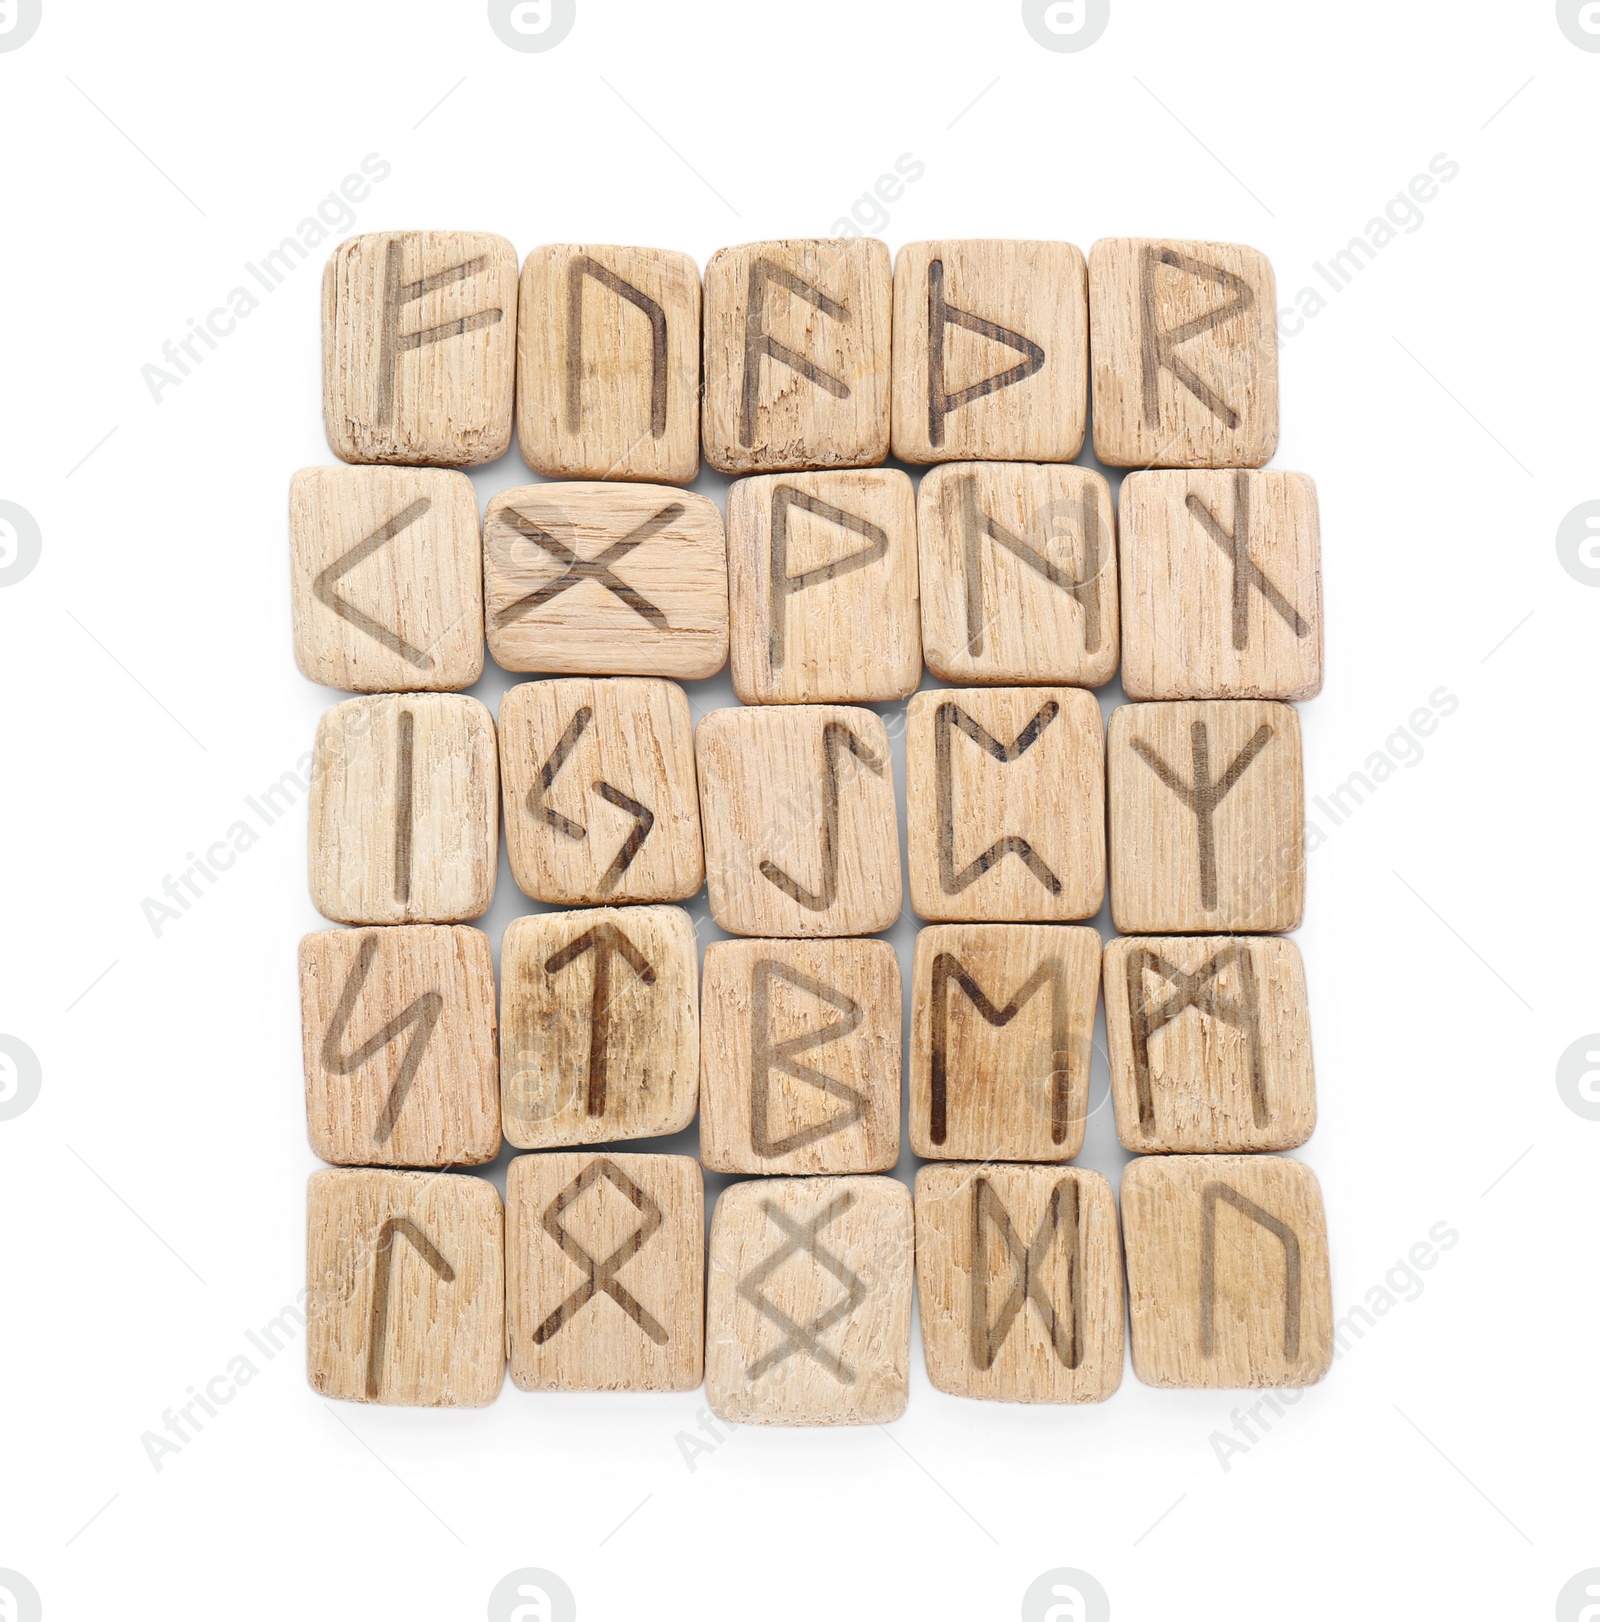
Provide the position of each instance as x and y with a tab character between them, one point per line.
797	355
608	363
404	810
605	1276
398	1030
1018	574
1002	1034
797	808
822	587
991	351
1222	585
405	1288
1185	360
1228	1279
800	1057
1207	818
1005	803
808	1302
387	584
418	342
601	803
600	1026
1019	1283
606	579
1210	1043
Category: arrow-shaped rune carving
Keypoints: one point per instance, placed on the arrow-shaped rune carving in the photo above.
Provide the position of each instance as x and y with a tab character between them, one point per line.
606	941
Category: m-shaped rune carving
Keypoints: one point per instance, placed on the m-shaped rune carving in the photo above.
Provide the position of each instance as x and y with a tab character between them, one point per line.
836	737
598	568
644	819
1029	1282
1247	574
1221	1193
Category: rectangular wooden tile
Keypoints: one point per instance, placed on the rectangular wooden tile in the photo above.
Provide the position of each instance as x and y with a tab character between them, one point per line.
605	1275
405	1288
1228	1281
808	1301
399	1036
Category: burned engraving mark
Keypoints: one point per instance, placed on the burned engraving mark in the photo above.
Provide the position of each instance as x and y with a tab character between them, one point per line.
584	268
322	586
643	817
1159	345
606	941
767	1056
1211	1196
378	1327
759	343
784	585
1029	1275
577	570
1247	573
942	315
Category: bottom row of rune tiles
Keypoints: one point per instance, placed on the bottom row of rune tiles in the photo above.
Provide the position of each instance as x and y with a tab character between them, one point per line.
594	1278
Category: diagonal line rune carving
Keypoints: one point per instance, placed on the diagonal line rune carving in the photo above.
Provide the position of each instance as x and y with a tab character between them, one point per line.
398	1227
836	738
1247	573
1030	1284
759	343
322	586
767	1056
598	568
644	818
1159	345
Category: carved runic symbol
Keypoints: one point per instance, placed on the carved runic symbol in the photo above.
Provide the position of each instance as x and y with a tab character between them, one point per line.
601	1274
784	585
322	586
1028	1265
1211	1196
644	819
1159	345
1247	575
605	941
758	342
598	568
584	268
767	1056
942	315
801	1239
1201	991
378	1328
1203	795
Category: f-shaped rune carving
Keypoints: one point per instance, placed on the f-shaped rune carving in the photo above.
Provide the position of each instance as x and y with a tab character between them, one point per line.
948	719
601	1275
1203	795
644	819
1247	574
784	585
605	941
1030	1279
583	267
836	736
378	1327
758	342
322	586
800	1239
767	1056
598	568
941	315
1221	1193
1159	345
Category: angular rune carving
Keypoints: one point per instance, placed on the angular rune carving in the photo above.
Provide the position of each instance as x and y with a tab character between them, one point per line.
644	818
1029	1280
1247	574
942	315
758	342
598	568
1159	345
767	1056
378	1327
784	585
1211	1195
836	737
322	586
605	941
582	268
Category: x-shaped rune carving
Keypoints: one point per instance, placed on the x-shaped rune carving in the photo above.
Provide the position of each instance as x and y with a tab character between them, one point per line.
597	568
801	1237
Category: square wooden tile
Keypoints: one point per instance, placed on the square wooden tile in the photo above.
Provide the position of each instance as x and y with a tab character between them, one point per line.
405	1288
991	351
1019	1283
1005	803
606	580
404	810
1210	1042
600	1026
388	578
1228	1280
605	1275
1222	585
399	1038
822	587
808	1302
797	808
797	355
1018	574
600	796
1185	354
800	1057
1002	1032
608	363
1207	818
418	339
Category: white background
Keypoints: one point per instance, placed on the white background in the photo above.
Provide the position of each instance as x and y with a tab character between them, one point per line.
151	1201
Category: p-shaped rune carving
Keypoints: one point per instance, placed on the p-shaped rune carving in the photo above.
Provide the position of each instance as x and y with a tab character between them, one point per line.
1029	1277
582	268
758	342
767	1056
378	1328
1211	1196
1247	574
644	819
784	585
1159	345
836	736
605	941
598	568
941	315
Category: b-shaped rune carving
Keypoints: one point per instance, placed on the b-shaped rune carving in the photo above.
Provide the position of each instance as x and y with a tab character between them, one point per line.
601	1275
1247	574
836	736
605	941
583	267
1211	1196
758	342
643	817
322	586
801	1239
378	1329
784	585
597	568
1159	345
1030	1281
1203	795
950	718
767	1056
941	315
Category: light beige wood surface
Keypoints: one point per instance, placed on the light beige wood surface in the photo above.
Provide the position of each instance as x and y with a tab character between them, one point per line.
600	1026
608	363
418	341
1183	337
1002	1033
1228	1281
808	1301
405	1288
601	803
1207	818
1018	574
800	1057
1210	1043
991	351
797	355
398	1030
822	587
387	578
1019	1283
606	579
1005	803
797	809
1222	586
404	810
605	1272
